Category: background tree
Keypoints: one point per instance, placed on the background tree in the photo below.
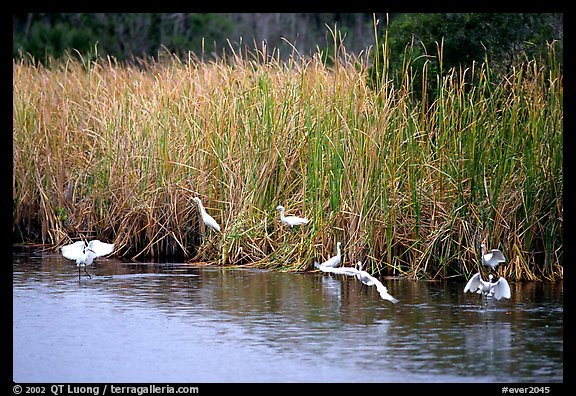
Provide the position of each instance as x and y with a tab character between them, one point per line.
445	40
126	36
415	43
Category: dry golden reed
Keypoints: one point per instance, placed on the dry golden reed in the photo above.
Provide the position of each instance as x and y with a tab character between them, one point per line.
117	152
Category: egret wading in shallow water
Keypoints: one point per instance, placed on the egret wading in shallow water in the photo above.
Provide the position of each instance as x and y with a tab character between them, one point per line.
335	260
499	289
369	280
206	218
291	220
493	258
85	254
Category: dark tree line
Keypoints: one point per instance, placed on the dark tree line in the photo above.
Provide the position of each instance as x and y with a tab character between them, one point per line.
442	40
501	38
127	35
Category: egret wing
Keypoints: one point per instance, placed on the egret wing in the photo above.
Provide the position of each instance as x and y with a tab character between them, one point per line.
383	290
73	251
366	278
473	284
386	296
210	222
350	271
324	268
98	248
336	270
501	289
497	256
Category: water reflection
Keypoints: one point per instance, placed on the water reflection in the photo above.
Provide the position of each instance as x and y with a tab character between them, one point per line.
179	322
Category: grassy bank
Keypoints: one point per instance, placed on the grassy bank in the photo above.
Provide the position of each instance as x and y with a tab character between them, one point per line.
117	152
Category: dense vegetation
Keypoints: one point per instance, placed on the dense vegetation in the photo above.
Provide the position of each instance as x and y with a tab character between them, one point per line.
464	37
409	182
435	43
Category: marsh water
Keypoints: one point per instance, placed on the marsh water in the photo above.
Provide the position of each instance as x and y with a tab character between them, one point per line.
177	322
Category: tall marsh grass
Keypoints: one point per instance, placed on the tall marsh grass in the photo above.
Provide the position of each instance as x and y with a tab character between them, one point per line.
117	152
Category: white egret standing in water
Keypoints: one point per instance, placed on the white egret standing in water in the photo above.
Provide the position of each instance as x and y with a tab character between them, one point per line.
493	258
291	220
369	280
206	218
499	289
85	254
335	260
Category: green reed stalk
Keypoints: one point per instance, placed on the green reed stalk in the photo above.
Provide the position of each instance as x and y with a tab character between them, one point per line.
409	185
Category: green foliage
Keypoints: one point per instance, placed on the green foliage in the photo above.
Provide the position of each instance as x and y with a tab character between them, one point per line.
46	40
434	43
129	36
122	35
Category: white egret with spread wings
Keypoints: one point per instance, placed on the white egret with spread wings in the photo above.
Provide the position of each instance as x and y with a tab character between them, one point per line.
84	254
499	289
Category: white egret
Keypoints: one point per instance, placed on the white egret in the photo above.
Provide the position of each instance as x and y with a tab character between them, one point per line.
291	220
369	280
499	289
335	260
206	218
350	271
85	254
493	258
361	275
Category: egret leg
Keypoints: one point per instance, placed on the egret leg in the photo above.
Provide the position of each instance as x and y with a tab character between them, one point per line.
89	276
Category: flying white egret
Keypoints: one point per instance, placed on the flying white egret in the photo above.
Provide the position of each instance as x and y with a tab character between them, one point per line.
206	218
499	289
361	275
291	220
85	254
493	258
335	260
350	271
369	280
